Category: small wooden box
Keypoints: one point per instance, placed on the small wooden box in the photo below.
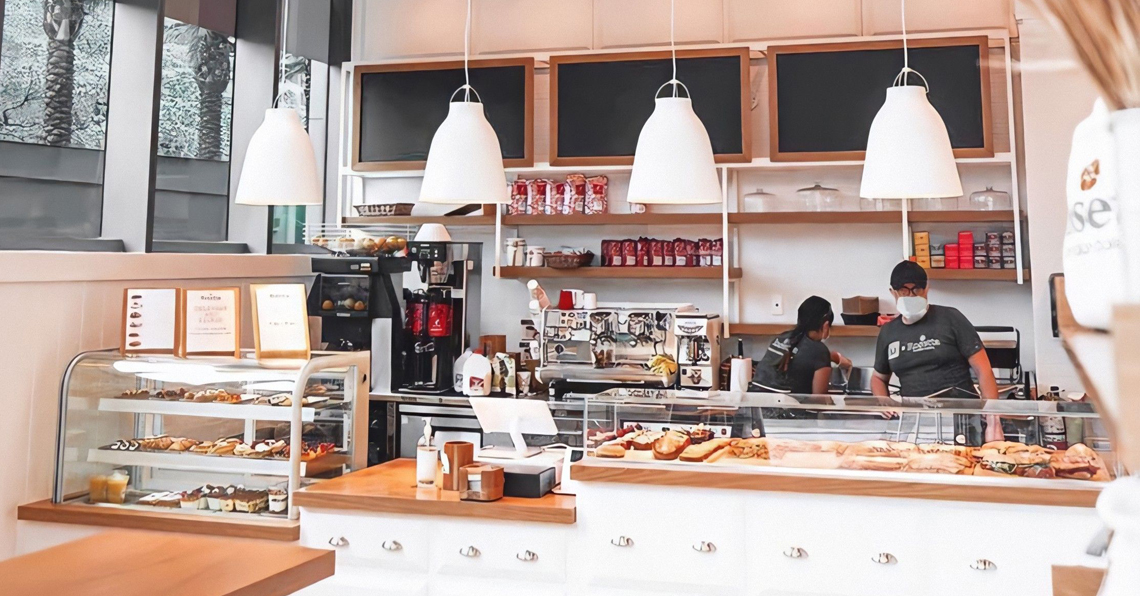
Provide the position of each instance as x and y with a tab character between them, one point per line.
484	482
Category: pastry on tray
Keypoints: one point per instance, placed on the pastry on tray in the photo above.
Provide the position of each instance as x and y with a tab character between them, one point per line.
700	434
644	441
278	500
702	451
1081	463
135	394
610	450
670	445
938	463
877	463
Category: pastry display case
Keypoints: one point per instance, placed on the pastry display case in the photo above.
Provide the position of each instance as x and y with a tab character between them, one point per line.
231	437
1043	443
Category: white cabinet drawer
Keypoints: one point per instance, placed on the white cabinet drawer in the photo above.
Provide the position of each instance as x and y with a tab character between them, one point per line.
456	586
658	540
369	540
835	545
527	552
367	584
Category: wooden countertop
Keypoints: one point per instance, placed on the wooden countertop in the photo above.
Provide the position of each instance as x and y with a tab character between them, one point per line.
1022	491
1076	581
391	488
159	520
131	563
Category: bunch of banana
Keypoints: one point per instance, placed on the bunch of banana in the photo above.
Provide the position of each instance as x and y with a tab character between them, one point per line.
663	365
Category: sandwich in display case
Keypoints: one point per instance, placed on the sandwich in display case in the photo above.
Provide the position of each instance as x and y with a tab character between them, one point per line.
1042	443
228	437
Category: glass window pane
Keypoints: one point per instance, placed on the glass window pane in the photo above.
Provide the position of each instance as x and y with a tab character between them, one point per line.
55	65
195	111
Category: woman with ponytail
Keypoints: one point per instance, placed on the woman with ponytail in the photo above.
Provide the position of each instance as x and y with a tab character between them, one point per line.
797	361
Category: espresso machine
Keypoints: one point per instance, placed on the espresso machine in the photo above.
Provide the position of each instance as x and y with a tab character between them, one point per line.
441	313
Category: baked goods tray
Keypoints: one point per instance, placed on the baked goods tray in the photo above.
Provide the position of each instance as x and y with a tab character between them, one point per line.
213	463
211	409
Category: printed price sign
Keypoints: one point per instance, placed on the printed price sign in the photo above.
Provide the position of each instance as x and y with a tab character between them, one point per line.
280	321
210	323
150	320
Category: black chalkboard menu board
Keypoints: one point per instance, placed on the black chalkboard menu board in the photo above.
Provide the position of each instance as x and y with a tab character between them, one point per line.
823	97
398	107
599	102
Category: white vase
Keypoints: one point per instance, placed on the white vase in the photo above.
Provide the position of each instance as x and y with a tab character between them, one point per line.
1119	507
1126	136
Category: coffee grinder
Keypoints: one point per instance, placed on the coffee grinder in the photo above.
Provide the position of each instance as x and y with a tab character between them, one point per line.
698	350
441	313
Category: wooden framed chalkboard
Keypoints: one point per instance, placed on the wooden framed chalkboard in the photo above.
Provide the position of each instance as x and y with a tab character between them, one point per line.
823	97
599	102
398	107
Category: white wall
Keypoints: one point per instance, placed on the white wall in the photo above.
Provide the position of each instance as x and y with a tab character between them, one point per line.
1056	95
791	261
56	305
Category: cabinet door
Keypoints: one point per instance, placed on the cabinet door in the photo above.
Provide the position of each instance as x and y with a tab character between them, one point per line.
367	540
368	584
852	546
462	586
658	540
526	552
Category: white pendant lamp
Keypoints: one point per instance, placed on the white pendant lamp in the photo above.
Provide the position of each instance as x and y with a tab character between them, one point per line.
909	155
465	162
673	162
280	167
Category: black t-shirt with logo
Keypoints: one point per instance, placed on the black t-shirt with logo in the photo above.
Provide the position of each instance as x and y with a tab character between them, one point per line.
931	355
807	357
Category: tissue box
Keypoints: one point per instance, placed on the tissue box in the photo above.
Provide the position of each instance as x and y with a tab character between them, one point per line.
861	305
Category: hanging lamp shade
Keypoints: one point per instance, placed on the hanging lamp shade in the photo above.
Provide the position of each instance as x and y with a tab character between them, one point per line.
673	162
465	163
909	155
280	167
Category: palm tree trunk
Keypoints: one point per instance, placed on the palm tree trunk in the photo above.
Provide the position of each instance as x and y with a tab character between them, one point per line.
60	88
210	125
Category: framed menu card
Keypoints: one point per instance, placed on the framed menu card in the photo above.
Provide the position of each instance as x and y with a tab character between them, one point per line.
209	323
149	320
280	321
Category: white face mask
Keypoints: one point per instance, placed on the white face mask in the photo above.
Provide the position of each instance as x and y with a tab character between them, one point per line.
912	308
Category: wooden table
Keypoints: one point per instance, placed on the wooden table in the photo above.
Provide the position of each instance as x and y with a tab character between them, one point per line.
1076	581
133	563
391	488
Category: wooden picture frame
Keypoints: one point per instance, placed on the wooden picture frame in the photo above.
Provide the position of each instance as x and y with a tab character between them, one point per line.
301	314
743	53
131	331
187	301
937	42
359	70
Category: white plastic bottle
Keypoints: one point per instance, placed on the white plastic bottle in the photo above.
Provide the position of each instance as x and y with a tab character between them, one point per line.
477	375
458	369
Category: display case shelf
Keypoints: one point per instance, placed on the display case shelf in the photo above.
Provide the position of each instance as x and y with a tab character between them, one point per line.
975	274
194	461
207	410
418	220
618	272
615	219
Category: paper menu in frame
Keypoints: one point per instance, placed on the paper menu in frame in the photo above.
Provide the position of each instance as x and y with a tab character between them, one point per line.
149	321
210	323
280	321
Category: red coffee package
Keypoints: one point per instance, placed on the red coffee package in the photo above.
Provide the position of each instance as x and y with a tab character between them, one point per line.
629	252
643	255
520	196
557	198
718	252
596	198
657	253
575	200
704	249
668	259
536	201
694	253
616	253
607	258
681	252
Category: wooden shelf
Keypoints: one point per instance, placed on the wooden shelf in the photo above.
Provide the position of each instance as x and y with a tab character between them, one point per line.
615	219
778	328
618	272
391	488
413	220
110	516
869	217
961	216
127	563
975	274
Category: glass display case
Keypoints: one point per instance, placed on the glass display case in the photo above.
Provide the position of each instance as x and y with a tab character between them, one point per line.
207	436
1060	443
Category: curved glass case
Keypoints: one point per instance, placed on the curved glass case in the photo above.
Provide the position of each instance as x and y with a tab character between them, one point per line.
207	436
1063	443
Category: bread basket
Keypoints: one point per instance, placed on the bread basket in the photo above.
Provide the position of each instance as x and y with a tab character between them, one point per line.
385	209
568	260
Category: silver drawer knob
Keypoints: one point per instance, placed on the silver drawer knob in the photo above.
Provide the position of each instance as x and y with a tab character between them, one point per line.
391	546
338	541
983	565
623	541
796	553
704	547
470	551
885	559
527	556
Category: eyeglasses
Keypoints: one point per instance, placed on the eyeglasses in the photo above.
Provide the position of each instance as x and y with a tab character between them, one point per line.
909	290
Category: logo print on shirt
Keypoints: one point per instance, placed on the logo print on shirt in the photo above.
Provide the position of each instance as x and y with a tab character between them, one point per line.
923	344
893	350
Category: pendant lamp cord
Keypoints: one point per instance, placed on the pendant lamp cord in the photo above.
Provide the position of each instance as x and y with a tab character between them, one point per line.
281	59
903	76
466	52
673	39
906	52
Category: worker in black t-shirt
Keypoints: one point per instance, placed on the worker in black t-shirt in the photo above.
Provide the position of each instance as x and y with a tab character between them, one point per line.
797	361
931	349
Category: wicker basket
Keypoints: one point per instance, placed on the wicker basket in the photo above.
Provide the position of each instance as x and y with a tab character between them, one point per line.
385	209
560	260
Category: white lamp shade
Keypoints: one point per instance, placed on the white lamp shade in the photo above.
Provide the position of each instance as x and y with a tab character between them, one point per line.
465	163
432	232
279	167
909	155
673	163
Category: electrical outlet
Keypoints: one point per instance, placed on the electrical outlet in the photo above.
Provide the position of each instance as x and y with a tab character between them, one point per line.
777	304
